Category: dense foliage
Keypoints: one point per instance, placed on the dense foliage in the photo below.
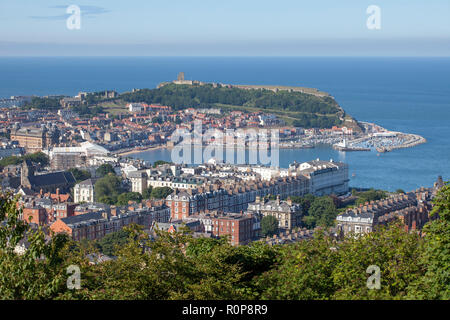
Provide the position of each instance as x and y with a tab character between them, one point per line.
177	266
104	169
37	158
308	110
108	189
160	162
160	192
110	243
50	103
369	195
88	111
80	175
317	211
269	226
125	197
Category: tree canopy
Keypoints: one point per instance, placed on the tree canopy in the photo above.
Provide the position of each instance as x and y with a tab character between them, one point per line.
179	266
307	109
108	188
269	226
37	158
80	175
161	192
104	169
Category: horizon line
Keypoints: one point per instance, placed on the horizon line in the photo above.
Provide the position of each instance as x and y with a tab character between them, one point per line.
225	56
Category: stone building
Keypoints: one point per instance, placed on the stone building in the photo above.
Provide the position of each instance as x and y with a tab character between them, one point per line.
96	224
412	209
288	214
35	139
48	182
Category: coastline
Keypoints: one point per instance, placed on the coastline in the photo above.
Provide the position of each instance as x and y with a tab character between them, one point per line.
413	140
128	151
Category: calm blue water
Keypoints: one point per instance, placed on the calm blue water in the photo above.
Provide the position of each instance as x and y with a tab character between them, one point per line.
402	94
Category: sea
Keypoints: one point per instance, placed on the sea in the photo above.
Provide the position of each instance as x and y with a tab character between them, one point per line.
410	95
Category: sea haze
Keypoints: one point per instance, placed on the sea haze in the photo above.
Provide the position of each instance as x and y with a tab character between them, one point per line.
402	94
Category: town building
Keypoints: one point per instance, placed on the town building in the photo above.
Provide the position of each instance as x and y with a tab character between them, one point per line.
326	177
238	227
412	209
96	224
64	158
84	191
48	182
34	139
288	214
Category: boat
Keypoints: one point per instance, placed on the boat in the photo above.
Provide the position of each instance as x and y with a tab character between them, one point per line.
382	149
343	146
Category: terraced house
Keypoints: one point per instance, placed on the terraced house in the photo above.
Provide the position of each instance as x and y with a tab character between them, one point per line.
412	209
96	224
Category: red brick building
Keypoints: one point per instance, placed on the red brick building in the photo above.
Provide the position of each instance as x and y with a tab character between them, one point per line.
238	226
37	215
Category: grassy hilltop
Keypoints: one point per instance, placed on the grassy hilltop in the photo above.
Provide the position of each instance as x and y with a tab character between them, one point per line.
298	108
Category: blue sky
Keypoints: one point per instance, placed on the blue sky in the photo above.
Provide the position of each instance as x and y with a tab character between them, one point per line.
225	28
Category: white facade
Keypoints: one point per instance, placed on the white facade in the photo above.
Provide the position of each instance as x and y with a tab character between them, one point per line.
326	177
267	173
135	107
84	191
87	149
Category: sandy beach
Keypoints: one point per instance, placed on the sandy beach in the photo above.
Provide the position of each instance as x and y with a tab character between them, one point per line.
129	151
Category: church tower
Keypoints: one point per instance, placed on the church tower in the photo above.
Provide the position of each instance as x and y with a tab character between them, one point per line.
27	171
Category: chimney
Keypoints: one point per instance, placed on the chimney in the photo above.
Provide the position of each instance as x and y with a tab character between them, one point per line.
278	199
289	201
105	215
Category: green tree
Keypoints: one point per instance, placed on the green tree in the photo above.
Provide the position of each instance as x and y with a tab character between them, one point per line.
269	226
147	192
37	158
125	197
161	192
322	212
435	255
80	175
370	195
393	250
108	188
160	162
305	202
40	272
302	271
112	242
105	169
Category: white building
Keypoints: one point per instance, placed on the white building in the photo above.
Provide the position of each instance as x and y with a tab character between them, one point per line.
86	148
84	191
135	107
267	173
128	168
325	177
